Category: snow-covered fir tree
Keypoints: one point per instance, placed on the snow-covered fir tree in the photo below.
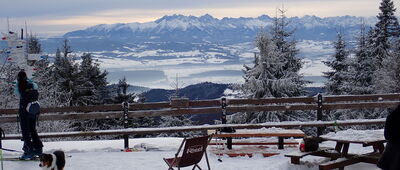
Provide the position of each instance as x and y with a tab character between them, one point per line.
49	92
92	82
386	49
123	95
385	30
34	46
339	76
65	71
275	72
7	83
389	76
363	64
84	82
286	46
388	24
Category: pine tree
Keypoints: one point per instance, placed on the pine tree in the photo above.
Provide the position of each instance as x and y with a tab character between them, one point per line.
385	30
122	94
388	23
65	71
385	39
275	71
363	65
91	82
285	44
339	77
50	94
48	89
66	48
261	80
389	76
34	46
7	84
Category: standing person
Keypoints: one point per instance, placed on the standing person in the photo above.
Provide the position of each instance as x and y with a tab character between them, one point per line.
26	90
390	159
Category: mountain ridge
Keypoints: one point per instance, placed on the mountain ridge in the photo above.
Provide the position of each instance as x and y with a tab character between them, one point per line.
207	26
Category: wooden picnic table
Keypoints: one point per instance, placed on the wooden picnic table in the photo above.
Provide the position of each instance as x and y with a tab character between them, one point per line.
340	156
263	132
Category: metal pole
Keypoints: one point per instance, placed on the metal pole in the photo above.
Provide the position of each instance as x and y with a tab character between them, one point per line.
125	119
319	114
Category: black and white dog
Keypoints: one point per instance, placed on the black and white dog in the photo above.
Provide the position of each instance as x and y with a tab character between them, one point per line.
54	161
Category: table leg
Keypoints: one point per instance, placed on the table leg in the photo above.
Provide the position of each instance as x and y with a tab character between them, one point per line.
345	149
338	146
295	160
378	147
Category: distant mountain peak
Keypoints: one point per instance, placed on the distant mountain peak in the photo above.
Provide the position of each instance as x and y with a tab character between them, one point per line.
207	17
174	17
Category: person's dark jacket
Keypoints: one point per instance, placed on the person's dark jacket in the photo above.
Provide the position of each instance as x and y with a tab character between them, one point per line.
390	159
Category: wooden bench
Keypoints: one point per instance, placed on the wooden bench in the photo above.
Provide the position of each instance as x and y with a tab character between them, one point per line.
339	163
264	132
249	151
351	159
322	151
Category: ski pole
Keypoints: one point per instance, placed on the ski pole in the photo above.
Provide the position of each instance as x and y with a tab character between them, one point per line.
1	147
220	146
1	158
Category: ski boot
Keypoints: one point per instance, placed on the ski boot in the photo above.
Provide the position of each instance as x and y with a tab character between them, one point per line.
37	152
26	156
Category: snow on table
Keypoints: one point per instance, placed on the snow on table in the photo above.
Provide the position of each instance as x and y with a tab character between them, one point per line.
262	132
356	136
270	130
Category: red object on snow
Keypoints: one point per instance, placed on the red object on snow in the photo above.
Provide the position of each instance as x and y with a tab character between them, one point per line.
34	69
302	147
4	38
9	59
128	150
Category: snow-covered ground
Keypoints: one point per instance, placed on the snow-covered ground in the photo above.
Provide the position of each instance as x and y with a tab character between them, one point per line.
106	155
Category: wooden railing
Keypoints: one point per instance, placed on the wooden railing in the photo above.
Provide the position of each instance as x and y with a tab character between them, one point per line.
212	107
186	107
135	131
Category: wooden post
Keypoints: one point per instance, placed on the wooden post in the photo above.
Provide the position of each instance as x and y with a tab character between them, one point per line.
319	114
280	142
223	121
125	119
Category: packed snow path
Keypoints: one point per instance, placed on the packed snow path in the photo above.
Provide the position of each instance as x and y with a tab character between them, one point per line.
106	155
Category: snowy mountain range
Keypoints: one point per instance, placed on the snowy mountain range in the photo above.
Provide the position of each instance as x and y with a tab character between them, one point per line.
199	49
206	28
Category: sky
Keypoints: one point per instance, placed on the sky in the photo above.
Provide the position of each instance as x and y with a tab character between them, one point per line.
56	17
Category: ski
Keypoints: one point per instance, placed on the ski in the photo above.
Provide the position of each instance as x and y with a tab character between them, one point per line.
18	159
33	159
